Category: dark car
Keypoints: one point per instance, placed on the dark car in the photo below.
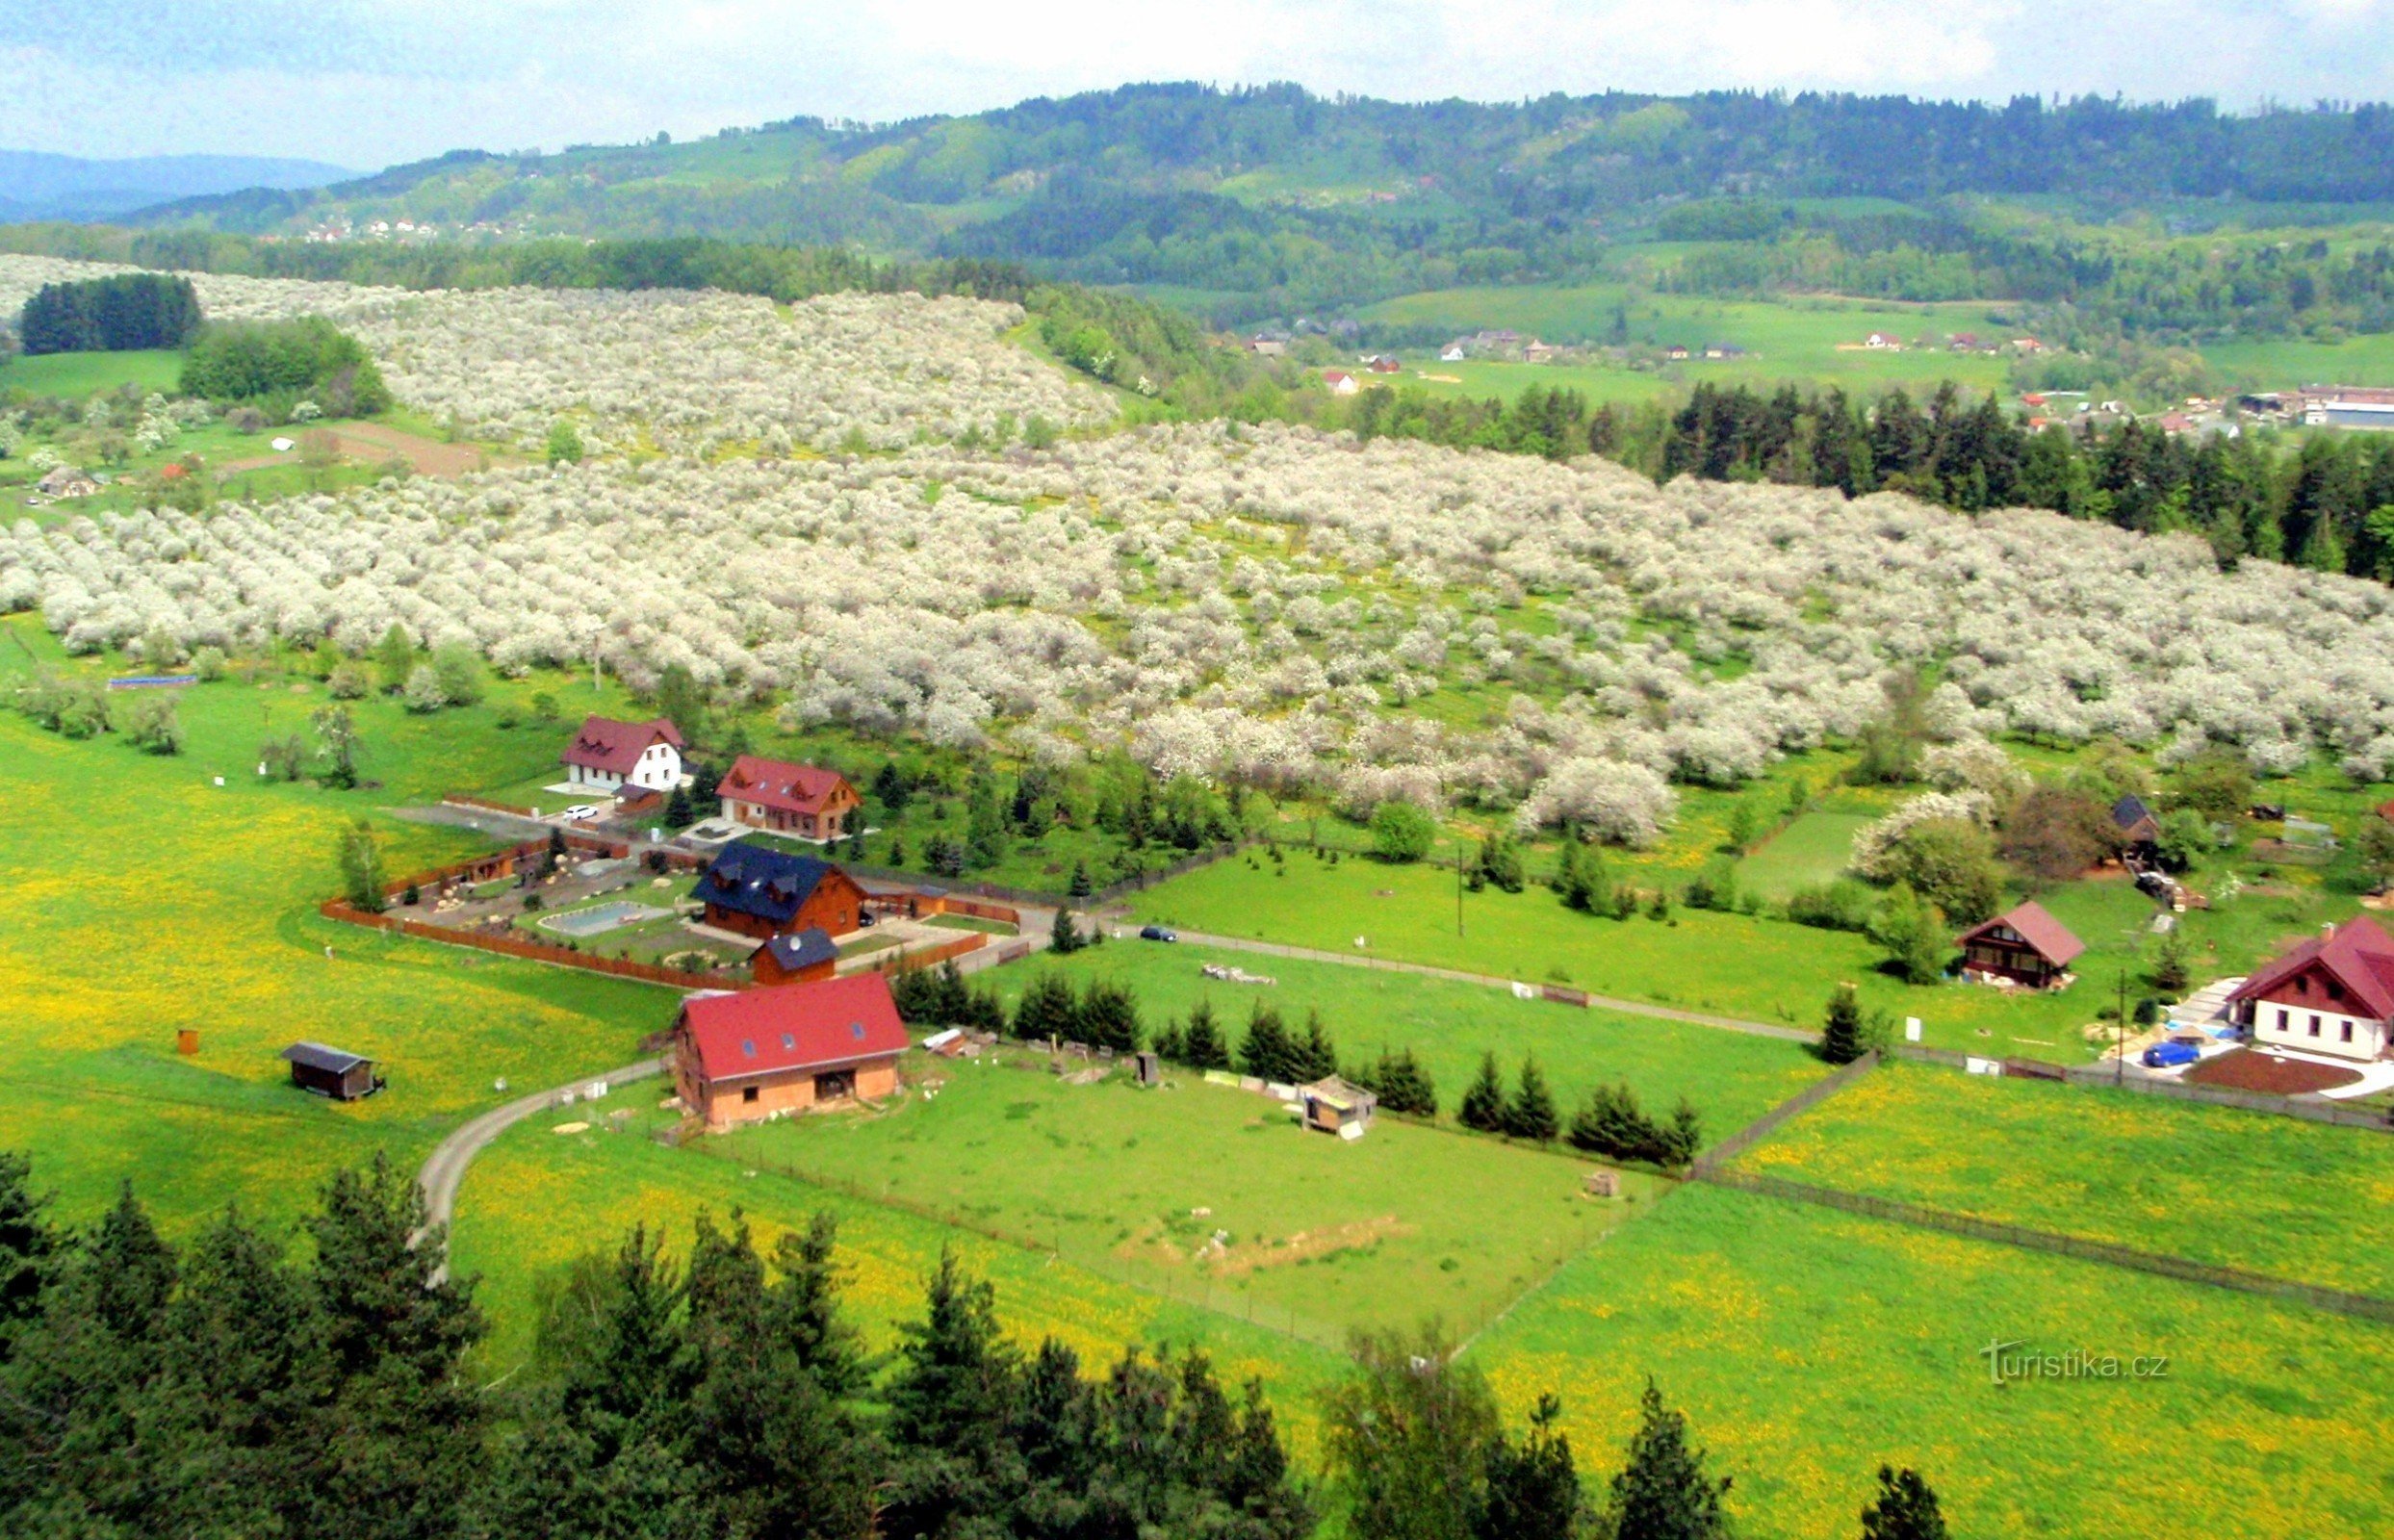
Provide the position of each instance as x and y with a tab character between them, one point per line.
2170	1055
1156	933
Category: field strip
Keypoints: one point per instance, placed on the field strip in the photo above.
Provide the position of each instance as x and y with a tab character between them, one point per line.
2367	1307
1596	1002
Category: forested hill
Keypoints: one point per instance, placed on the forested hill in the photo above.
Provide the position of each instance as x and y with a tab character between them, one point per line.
1276	192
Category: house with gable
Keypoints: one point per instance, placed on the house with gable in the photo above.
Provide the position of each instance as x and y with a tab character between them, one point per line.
607	756
788	799
756	890
2333	994
2026	946
744	1057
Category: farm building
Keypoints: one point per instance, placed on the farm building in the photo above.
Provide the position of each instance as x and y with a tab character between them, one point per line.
764	892
607	754
1334	1106
2333	994
765	1053
2138	828
331	1072
800	957
2026	945
1340	382
792	799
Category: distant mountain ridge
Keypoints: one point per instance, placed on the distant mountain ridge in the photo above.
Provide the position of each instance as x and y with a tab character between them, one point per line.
38	186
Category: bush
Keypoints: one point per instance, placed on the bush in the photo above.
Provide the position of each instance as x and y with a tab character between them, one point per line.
1844	904
151	725
349	681
1402	833
286	361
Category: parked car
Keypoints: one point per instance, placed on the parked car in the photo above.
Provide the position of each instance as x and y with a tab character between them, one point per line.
2170	1055
1156	933
579	812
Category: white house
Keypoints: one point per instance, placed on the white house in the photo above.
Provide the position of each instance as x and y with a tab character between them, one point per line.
1885	339
2331	995
1340	382
1453	355
607	754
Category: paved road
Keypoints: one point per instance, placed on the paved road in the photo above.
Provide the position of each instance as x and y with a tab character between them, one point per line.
445	1168
1636	1007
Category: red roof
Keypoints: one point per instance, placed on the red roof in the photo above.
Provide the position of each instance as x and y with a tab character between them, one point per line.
779	783
604	743
795	1026
2050	937
2359	955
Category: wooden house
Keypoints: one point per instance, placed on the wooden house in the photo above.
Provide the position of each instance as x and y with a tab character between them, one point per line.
331	1072
2138	828
765	1053
2026	946
2333	994
790	799
764	892
800	957
1334	1106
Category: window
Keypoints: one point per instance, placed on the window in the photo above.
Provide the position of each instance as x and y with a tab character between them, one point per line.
748	1093
2314	1026
2348	1032
2281	1021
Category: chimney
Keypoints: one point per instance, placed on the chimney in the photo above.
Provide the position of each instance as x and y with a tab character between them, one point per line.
2328	932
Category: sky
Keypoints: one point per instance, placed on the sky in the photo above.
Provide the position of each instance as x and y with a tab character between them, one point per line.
369	83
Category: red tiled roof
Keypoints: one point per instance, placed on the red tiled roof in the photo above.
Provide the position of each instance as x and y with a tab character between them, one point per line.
2359	955
2050	937
779	783
604	743
795	1026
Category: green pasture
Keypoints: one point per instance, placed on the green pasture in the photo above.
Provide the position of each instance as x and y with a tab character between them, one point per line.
1731	1077
1323	1235
2293	1200
536	1199
1808	1346
144	899
75	375
1811	852
2281	363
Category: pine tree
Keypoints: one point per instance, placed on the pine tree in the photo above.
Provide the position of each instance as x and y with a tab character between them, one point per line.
1532	1487
1107	1016
951	1396
1905	1509
1840	1034
29	1247
1081	886
1663	1491
1484	1103
1569	881
1683	1136
1267	1052
1202	1043
1064	939
1531	1113
1316	1057
1401	1082
1047	1012
803	1309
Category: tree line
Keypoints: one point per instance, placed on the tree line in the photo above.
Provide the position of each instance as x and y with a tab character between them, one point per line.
115	314
226	1386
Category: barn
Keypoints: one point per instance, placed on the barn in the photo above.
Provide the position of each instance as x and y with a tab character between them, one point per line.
764	892
2024	945
766	1053
790	799
801	957
333	1072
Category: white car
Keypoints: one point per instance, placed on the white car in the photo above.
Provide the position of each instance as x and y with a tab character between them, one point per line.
579	812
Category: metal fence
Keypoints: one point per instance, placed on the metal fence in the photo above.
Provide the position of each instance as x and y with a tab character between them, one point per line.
2318	1111
2185	1270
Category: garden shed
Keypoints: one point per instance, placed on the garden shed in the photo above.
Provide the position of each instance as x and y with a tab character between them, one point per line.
1335	1106
333	1072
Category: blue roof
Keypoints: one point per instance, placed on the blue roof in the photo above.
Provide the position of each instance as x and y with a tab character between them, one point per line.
750	878
802	949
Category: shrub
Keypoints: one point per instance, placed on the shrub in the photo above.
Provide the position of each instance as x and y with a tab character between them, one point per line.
349	681
308	358
1401	832
151	724
1844	904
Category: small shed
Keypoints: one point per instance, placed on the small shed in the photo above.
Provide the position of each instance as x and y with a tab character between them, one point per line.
795	957
2026	945
333	1072
2137	826
1334	1106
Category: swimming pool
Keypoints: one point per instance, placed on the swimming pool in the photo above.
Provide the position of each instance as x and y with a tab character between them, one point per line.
605	917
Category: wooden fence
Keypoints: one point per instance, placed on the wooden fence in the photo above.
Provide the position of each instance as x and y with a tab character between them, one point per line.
530	951
1761	1128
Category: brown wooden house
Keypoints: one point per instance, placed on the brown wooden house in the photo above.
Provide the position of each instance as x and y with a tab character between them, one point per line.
791	799
2026	946
764	892
765	1053
332	1072
800	957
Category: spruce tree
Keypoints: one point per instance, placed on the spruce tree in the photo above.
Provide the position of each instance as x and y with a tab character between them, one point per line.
951	1398
1047	1010
803	1309
1201	1044
1905	1509
1841	1033
1081	886
1107	1016
1316	1057
1267	1052
29	1247
1531	1113
1663	1492
1532	1490
1484	1103
1569	881
1064	939
1683	1136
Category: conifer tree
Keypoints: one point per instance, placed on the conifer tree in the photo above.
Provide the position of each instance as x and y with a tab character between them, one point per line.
1663	1492
1484	1103
1047	1010
1904	1510
1531	1113
1267	1052
1064	939
1201	1044
1316	1057
1841	1033
1532	1490
1107	1016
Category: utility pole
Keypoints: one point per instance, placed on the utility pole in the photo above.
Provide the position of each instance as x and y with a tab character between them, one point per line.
2120	1043
1459	888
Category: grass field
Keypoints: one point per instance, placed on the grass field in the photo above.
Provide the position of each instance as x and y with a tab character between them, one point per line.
75	375
1323	1234
2281	363
142	898
2292	1199
536	1199
1807	1347
1732	1077
1813	850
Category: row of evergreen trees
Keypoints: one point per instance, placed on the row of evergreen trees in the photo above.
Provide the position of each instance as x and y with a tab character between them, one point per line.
115	314
1608	1120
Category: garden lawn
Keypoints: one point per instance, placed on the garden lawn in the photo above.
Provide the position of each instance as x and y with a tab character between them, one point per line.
1323	1235
1731	1077
1813	851
142	899
1726	964
75	375
2294	1199
536	1199
1807	1347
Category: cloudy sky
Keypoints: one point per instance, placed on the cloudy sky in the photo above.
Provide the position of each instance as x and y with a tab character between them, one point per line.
365	82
